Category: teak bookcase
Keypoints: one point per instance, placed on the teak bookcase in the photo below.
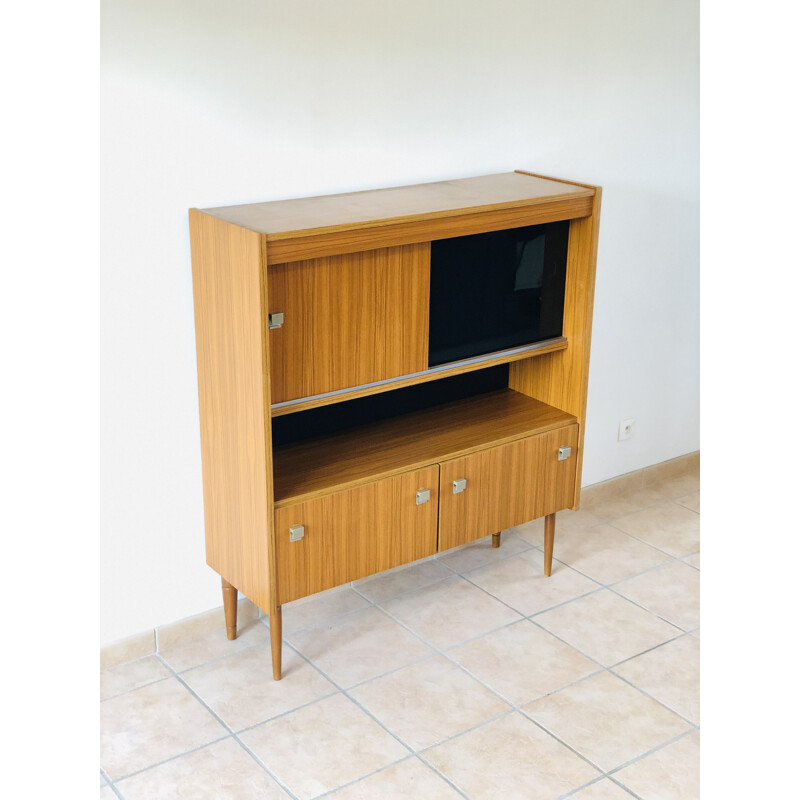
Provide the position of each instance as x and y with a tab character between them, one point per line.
306	308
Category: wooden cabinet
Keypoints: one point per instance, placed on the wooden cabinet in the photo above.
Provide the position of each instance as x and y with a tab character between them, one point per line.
355	533
501	487
334	420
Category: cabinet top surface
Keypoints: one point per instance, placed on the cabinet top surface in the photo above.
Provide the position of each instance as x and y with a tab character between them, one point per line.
283	219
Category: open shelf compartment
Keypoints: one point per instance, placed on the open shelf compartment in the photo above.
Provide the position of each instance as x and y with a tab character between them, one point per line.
356	456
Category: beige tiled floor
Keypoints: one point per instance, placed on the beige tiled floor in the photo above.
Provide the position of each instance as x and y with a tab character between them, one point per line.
469	675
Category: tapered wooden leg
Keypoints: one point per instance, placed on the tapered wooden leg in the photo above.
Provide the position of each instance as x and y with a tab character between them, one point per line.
496	539
230	599
275	638
549	538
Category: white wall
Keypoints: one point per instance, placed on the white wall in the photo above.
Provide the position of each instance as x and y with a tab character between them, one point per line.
209	103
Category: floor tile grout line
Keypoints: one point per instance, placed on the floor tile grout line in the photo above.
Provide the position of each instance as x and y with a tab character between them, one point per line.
266	769
219	658
621	785
457	644
602	667
573	792
108	780
564	641
564	603
227	727
612	772
351	699
682	635
243	745
670	560
446	654
329	792
171	758
114	789
649	544
611	667
134	688
494	558
248	728
649	610
514	707
445	778
660	702
426	657
412	751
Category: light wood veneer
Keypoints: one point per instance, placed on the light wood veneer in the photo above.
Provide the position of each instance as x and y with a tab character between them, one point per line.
348	320
350	273
355	533
506	486
314	468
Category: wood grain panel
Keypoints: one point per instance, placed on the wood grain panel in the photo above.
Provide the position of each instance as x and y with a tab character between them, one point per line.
355	533
506	486
314	468
232	365
379	207
348	320
352	239
562	379
436	373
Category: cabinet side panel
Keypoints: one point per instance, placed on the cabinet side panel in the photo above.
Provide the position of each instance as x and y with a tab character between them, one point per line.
227	286
561	379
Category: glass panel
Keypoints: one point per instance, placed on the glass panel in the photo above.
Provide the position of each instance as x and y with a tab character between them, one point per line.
494	291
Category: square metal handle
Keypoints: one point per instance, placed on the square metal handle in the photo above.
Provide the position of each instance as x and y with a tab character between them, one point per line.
297	532
423	495
564	453
275	320
459	485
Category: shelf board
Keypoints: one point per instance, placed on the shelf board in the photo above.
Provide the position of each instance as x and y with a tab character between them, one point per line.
357	456
432	374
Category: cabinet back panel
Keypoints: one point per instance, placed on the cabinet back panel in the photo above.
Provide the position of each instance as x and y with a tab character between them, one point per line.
348	320
328	420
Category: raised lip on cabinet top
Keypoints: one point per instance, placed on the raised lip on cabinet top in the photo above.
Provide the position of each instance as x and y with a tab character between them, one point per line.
318	467
305	216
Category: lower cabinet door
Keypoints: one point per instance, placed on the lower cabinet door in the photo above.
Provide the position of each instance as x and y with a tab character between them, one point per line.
504	486
351	534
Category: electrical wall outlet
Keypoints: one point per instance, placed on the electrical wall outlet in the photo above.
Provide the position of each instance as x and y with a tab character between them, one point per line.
625	429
